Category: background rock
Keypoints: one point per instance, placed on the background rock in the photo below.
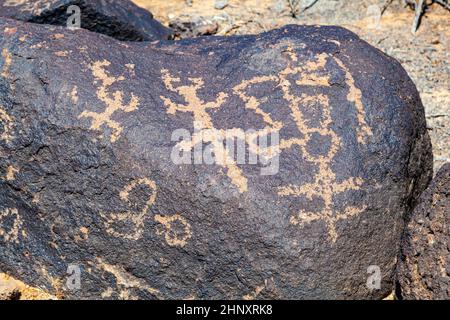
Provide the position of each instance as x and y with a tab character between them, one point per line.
220	4
120	19
424	269
88	179
189	29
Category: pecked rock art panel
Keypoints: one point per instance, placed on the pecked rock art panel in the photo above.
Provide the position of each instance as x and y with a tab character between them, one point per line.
98	186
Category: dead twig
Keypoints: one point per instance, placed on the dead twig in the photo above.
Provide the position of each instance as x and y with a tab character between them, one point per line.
419	8
438	115
296	9
386	5
310	5
443	3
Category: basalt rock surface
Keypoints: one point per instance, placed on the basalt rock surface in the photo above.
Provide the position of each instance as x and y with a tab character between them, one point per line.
92	183
121	19
424	270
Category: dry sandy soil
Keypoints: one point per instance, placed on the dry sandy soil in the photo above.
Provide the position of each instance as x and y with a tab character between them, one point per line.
424	55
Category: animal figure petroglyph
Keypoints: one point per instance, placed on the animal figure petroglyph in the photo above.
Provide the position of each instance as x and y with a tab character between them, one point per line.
7	61
112	100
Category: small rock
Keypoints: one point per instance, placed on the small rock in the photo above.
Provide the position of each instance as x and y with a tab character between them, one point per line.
220	4
186	27
208	29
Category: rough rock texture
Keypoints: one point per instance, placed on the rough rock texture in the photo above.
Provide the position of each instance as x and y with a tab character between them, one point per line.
120	19
424	270
88	177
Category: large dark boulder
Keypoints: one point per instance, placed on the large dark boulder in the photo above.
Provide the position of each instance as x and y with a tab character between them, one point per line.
424	270
121	19
88	177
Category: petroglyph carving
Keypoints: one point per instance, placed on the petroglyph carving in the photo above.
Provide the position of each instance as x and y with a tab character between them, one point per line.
172	234
311	73
130	225
7	58
11	235
136	219
5	126
325	185
252	103
125	281
354	95
74	95
203	125
257	291
11	173
113	101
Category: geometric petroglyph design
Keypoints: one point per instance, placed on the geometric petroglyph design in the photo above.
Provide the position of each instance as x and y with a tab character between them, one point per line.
112	100
173	236
13	234
325	185
175	229
136	219
6	126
